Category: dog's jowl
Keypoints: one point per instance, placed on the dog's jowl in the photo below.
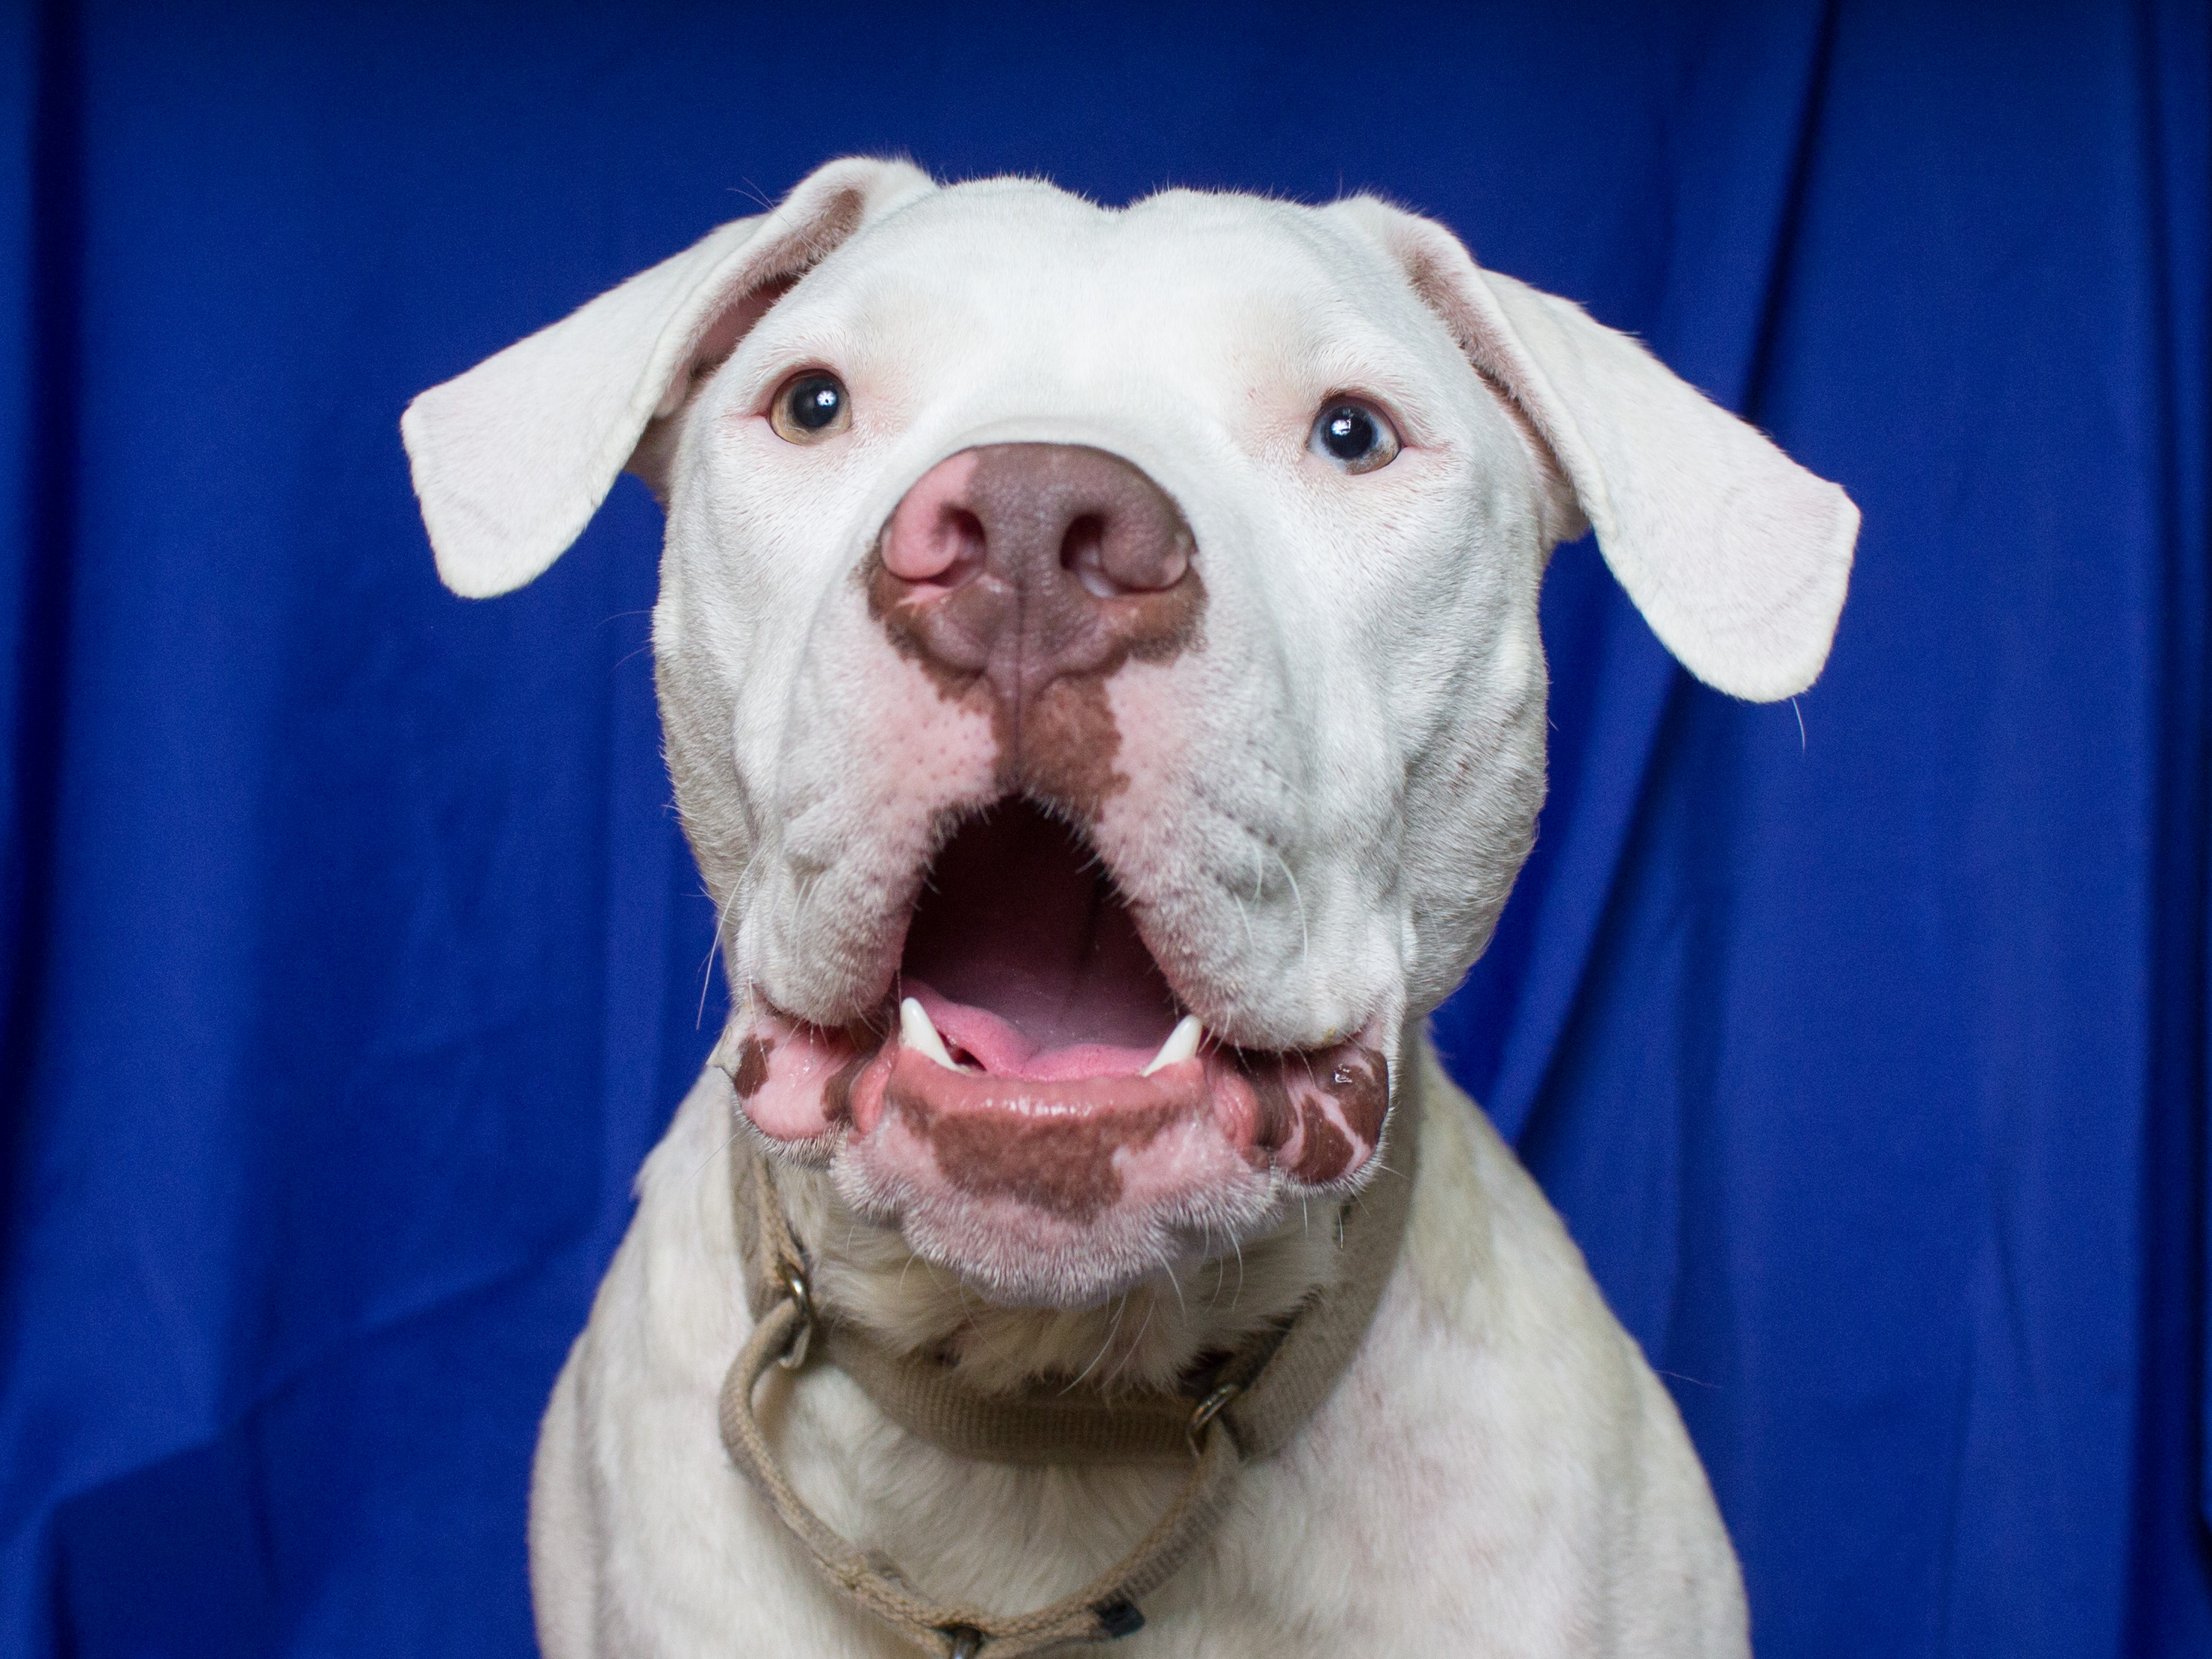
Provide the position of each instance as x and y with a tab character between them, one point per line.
1098	655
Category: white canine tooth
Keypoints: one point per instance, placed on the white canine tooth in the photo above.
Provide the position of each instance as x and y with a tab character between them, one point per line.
917	1033
1181	1044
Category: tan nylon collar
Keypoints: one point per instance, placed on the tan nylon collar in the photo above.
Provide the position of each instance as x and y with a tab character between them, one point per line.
1246	1409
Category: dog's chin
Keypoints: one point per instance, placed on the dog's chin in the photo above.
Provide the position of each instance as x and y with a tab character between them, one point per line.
1031	1106
1015	1253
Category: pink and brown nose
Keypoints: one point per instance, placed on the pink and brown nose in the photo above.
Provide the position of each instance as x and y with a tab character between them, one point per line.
1032	564
1027	510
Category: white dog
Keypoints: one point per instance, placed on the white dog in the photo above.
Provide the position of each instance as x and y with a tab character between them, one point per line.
1099	660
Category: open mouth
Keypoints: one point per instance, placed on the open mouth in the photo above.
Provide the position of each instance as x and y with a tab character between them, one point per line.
1031	1084
1023	961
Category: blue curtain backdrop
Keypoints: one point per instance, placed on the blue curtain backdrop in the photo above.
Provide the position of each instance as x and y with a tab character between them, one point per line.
353	960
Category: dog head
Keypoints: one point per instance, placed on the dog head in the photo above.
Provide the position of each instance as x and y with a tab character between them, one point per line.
1099	659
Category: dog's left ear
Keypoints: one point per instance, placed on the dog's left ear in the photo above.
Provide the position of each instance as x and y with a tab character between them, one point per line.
512	459
1737	557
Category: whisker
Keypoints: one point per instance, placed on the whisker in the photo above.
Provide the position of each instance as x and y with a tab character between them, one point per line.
721	920
1121	1306
1137	1342
1305	943
712	1156
1220	1273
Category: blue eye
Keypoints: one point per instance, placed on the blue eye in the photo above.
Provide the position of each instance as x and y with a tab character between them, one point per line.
1354	435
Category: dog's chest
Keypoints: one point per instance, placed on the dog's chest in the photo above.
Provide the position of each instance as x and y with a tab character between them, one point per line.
1429	1501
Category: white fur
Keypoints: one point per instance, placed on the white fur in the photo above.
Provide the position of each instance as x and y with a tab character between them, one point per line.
1498	1473
1737	557
511	459
1326	806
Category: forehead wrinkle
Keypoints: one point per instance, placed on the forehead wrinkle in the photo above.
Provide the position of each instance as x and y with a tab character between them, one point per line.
780	344
1345	320
1380	365
1075	317
866	330
945	238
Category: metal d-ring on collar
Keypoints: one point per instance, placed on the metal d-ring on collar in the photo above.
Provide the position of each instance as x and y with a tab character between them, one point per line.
1208	1409
801	1296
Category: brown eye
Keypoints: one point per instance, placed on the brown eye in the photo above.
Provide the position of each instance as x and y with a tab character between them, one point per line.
1354	435
809	407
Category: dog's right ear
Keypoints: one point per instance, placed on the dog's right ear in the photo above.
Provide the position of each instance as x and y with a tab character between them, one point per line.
1737	557
512	459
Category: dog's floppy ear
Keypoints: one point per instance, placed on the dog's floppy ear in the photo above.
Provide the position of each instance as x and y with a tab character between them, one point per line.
1737	557
512	459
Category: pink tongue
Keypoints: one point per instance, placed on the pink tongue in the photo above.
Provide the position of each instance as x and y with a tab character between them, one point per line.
997	1046
1026	955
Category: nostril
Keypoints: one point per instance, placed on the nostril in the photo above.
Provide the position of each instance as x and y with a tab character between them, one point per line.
1158	566
961	534
1083	550
946	546
1114	558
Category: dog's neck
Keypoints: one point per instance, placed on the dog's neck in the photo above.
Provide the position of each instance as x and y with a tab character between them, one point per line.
1147	1337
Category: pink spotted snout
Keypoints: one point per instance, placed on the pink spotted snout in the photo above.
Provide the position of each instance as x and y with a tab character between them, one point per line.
1028	510
1029	565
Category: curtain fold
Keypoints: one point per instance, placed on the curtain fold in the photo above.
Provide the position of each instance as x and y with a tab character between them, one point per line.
353	959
